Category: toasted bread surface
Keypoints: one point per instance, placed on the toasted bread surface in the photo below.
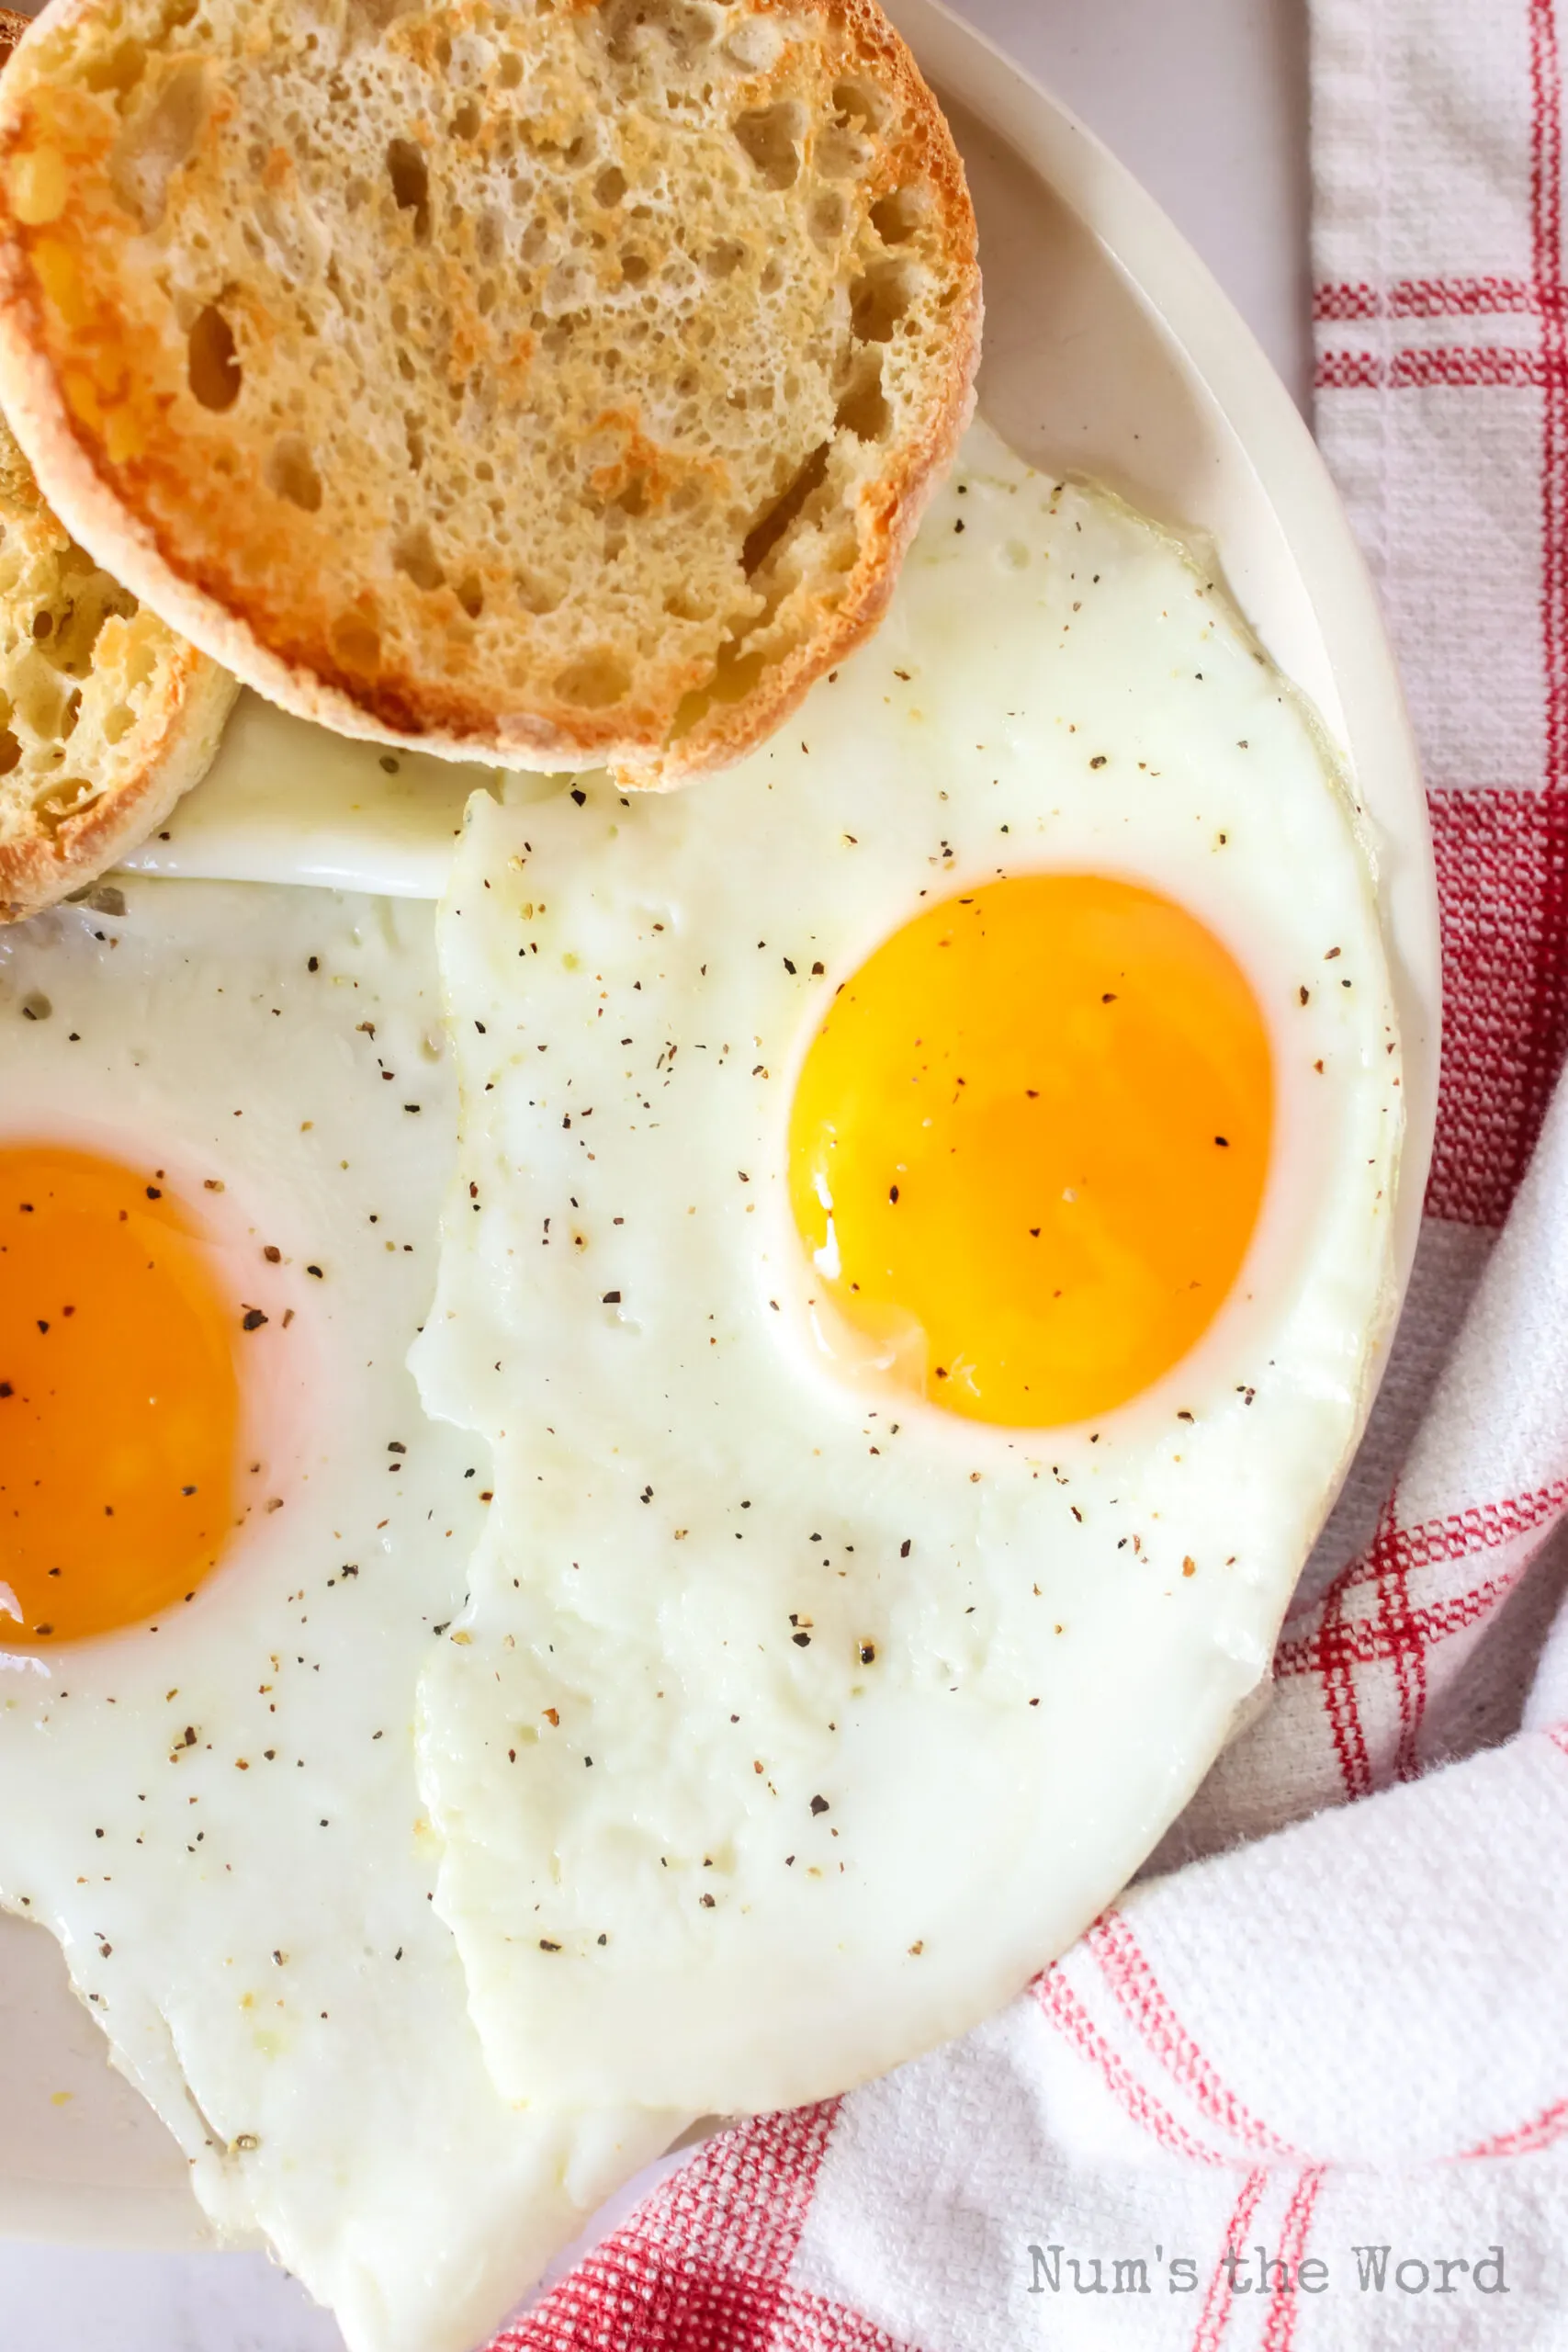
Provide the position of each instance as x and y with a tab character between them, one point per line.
106	716
556	381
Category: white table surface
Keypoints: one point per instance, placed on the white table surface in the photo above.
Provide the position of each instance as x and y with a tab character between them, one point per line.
1206	100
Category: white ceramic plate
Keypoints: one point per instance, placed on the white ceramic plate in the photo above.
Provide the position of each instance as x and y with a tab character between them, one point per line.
1111	351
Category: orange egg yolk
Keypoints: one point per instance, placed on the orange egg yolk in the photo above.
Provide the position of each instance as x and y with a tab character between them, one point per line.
1029	1145
120	1404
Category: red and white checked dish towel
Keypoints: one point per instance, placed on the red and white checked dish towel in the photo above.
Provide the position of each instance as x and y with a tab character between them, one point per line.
1334	2027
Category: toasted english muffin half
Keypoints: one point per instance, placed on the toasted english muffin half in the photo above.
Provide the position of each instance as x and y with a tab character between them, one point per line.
555	382
106	716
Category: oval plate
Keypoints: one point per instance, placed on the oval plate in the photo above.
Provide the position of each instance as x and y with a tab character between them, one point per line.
1110	351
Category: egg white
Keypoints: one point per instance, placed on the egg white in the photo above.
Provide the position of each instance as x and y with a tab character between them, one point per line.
688	1856
217	1817
284	801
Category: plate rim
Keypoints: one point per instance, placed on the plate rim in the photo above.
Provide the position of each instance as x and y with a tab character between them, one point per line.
1370	728
1371	725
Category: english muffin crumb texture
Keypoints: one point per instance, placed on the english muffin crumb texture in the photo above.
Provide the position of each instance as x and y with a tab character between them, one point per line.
542	379
106	716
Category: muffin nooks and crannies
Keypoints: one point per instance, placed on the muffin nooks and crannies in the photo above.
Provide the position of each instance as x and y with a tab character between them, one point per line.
551	384
106	716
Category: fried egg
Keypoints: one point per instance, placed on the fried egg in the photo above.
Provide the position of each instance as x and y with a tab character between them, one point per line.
228	1537
922	1239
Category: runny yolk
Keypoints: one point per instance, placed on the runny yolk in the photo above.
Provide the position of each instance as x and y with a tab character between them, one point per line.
1029	1144
118	1397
